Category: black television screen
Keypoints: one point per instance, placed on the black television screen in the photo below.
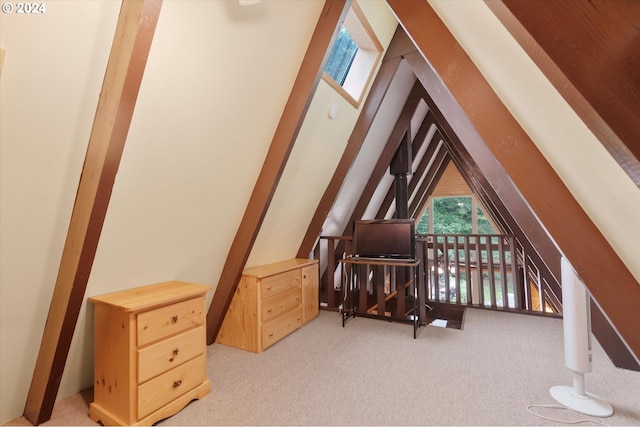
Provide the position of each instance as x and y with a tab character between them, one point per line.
390	238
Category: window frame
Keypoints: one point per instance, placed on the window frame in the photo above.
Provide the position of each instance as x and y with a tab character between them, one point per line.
365	61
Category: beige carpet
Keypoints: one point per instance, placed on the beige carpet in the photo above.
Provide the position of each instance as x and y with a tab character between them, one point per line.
373	372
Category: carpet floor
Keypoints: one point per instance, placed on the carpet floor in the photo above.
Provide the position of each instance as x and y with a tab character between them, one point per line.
496	370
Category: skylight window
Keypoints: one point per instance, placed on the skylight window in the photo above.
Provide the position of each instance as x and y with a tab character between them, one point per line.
353	57
342	55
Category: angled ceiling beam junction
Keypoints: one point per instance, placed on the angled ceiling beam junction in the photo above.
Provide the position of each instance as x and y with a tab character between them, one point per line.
125	68
401	126
309	74
590	52
418	142
483	168
378	91
461	86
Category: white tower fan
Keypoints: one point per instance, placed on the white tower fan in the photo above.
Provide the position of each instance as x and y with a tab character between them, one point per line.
577	347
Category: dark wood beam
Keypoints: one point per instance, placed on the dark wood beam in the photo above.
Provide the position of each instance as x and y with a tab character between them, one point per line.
125	68
590	52
309	75
489	122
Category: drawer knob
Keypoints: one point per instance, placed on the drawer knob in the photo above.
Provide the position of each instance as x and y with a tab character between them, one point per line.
269	310
175	353
174	319
176	384
270	334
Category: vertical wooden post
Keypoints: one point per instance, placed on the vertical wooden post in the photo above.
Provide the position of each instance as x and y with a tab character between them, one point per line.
123	75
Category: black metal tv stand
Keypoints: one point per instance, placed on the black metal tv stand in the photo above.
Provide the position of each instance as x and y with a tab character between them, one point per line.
383	288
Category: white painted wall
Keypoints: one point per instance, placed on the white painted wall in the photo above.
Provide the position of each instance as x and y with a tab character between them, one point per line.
51	79
601	187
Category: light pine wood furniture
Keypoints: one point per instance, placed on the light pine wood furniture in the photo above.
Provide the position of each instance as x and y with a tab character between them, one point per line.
150	358
271	302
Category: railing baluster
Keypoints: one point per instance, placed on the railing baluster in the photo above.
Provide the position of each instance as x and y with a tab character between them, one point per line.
456	263
436	268
517	290
467	269
543	298
445	267
503	273
490	272
330	274
479	270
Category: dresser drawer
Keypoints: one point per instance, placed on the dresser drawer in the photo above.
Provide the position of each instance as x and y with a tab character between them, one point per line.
274	331
158	358
165	321
161	390
279	283
280	304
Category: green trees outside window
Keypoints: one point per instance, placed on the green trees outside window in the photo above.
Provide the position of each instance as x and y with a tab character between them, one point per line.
454	215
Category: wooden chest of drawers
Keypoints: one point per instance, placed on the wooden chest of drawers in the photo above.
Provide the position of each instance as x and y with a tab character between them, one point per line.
271	301
150	356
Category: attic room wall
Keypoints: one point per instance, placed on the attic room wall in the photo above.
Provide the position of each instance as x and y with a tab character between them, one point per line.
215	84
313	159
602	188
51	79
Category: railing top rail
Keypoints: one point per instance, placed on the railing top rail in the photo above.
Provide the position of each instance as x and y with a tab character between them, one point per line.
423	235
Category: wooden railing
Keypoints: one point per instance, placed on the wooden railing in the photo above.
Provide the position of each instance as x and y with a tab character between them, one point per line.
480	270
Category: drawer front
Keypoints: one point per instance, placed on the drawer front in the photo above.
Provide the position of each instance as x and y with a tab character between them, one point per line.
161	390
158	358
279	283
279	328
280	304
166	321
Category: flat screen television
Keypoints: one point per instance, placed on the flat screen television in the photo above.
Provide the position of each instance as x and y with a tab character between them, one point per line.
384	238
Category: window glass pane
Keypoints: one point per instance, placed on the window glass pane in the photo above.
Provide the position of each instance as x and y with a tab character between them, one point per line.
452	215
484	226
341	58
423	225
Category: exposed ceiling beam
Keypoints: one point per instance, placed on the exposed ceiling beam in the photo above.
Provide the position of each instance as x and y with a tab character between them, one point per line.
590	52
489	122
309	74
125	68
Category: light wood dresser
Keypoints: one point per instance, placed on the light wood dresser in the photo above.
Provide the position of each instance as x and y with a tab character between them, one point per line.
271	302
150	352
